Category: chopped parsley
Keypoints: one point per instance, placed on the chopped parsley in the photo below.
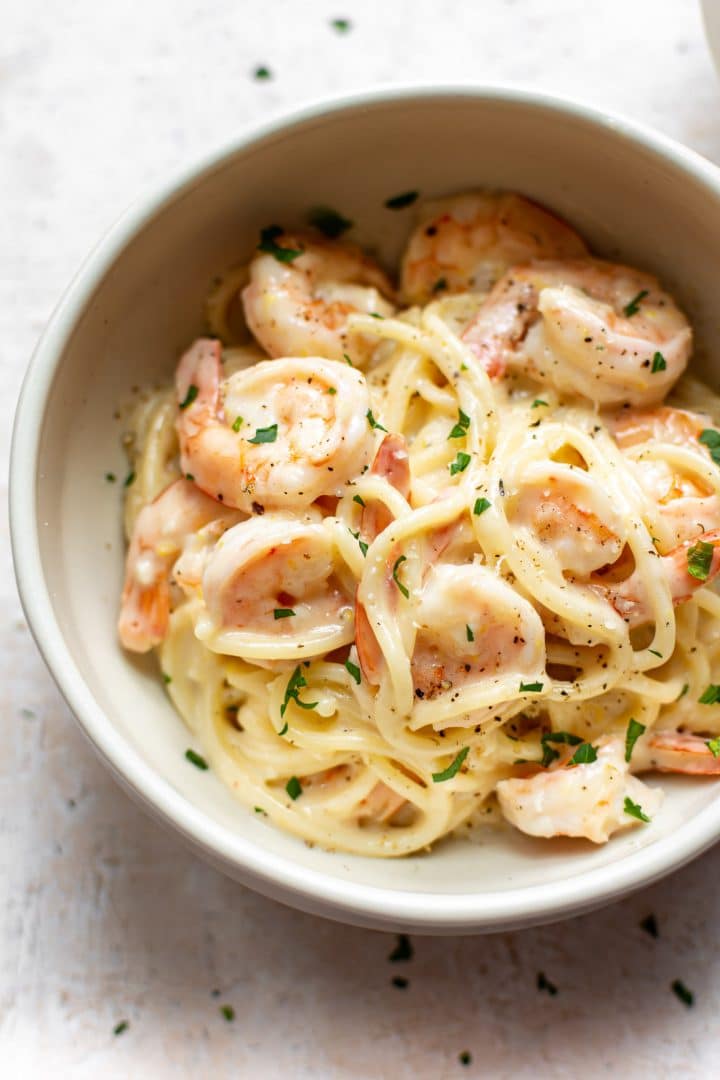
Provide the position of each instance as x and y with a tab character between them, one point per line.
357	499
398	563
634	730
361	543
543	983
284	729
634	306
259	810
292	693
264	435
166	678
347	359
711	696
120	1027
403	950
453	768
468	633
228	1012
331	390
262	73
342	26
699	560
711	438
535	688
655	653
460	463
283	612
110	477
658	363
267	244
650	926
713	746
538	401
460	429
237	423
550	755
584	755
481	505
329	221
189	477
197	760
681	991
294	788
440	284
192	393
399	202
129	479
353	670
633	809
683	692
373	422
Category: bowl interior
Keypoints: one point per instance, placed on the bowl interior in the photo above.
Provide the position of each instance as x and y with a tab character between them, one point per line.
628	200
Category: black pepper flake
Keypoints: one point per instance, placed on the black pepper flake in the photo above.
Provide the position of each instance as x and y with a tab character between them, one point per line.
403	950
543	983
400	982
650	926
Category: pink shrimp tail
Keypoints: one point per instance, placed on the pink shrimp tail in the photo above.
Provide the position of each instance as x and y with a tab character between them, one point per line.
144	615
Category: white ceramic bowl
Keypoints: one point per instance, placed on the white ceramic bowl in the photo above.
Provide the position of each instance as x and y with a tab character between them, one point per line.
139	299
711	16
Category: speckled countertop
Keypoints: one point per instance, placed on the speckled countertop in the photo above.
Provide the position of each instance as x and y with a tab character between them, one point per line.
104	917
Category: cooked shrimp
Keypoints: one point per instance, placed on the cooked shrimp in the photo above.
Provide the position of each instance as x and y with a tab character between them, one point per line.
467	242
579	800
278	434
472	625
300	306
567	510
627	596
272	591
161	530
392	462
685	501
590	328
675	752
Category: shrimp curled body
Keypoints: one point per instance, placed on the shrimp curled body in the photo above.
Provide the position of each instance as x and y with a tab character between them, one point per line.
277	435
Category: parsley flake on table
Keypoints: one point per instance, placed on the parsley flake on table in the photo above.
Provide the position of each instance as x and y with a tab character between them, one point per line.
121	1026
342	26
227	1012
650	926
543	983
681	991
403	950
262	73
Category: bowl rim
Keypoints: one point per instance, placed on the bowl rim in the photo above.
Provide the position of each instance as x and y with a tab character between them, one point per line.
273	874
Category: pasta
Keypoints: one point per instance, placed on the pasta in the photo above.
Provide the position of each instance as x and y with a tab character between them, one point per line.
410	569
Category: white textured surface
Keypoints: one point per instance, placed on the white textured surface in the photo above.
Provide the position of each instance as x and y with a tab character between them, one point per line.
103	916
